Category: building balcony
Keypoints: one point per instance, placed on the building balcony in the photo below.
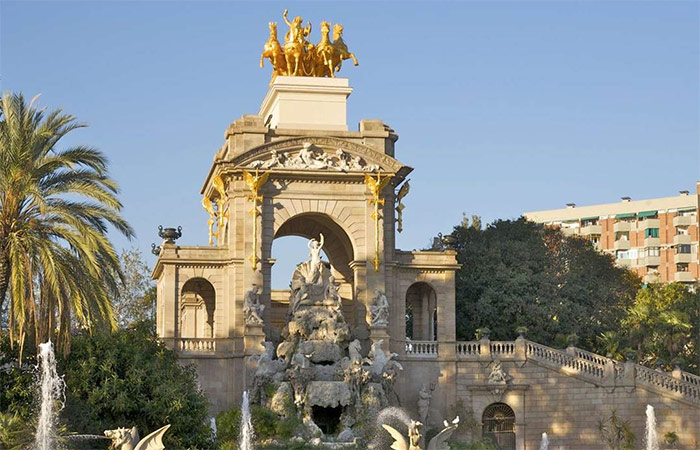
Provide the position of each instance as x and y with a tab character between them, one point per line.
567	231
652	242
622	244
683	258
650	261
683	277
591	230
682	239
652	278
683	221
623	262
648	223
621	226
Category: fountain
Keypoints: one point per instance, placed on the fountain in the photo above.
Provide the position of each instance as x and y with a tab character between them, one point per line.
544	445
246	434
51	386
650	437
318	373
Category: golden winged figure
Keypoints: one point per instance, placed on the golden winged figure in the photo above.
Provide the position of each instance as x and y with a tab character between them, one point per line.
254	182
376	185
403	192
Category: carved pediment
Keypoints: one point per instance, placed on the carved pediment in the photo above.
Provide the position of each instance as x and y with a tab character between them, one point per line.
318	154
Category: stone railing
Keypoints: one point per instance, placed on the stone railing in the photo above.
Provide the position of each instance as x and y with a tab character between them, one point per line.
668	382
575	364
467	349
597	369
196	345
502	348
421	349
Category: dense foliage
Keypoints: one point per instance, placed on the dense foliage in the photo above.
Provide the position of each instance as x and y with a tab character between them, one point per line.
663	326
56	262
136	299
516	273
129	378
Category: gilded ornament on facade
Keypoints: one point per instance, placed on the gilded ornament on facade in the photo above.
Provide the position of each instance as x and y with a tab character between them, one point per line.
217	216
254	183
299	57
403	192
376	184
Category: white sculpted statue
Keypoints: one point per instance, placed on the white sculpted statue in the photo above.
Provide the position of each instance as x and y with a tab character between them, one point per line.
252	308
415	436
498	375
379	310
354	351
315	258
128	439
424	396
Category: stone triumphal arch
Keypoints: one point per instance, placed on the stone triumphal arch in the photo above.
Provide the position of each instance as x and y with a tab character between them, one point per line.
290	171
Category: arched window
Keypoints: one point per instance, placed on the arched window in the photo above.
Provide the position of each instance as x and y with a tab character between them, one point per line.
498	423
421	313
197	304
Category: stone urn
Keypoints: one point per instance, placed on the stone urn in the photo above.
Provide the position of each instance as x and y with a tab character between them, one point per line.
170	235
449	241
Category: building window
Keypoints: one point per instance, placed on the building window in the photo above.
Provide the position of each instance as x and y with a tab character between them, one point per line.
622	254
653	251
683	248
681	267
622	236
589	222
651	233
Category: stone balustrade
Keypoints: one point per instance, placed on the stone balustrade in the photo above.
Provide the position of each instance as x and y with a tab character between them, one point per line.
666	382
574	364
502	348
421	349
197	345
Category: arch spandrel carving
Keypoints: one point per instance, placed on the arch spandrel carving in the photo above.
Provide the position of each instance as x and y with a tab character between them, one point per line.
330	145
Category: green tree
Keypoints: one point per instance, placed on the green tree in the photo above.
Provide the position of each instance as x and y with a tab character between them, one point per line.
130	378
517	273
55	209
134	302
663	325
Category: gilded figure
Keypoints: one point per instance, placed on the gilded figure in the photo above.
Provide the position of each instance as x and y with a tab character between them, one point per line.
273	51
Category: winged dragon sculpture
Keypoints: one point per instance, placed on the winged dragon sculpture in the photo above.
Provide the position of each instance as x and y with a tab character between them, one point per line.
128	439
415	436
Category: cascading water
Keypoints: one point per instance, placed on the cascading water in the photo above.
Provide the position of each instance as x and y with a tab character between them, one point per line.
212	424
51	386
544	444
651	438
246	434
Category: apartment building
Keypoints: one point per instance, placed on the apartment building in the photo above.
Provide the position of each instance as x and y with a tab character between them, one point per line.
657	238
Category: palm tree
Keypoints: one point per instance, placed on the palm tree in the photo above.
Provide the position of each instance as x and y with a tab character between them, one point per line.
55	208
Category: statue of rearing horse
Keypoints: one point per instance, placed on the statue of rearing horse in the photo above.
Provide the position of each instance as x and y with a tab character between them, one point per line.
273	51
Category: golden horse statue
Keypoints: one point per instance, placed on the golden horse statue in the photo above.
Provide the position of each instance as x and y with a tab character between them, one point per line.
273	51
325	53
342	52
299	57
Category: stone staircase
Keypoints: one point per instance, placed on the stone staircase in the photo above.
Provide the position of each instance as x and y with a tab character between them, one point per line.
593	368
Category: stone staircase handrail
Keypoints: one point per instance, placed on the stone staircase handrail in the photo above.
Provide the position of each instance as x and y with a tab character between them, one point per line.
421	349
667	382
562	359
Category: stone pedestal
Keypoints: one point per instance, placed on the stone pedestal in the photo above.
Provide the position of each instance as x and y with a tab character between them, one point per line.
306	103
254	339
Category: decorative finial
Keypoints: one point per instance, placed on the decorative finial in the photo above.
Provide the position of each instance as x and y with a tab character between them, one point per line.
170	235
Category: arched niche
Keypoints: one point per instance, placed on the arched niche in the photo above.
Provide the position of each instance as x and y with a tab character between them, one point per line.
197	305
421	312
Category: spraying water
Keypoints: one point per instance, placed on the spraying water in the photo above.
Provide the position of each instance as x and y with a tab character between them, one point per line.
651	438
212	424
246	434
544	445
51	386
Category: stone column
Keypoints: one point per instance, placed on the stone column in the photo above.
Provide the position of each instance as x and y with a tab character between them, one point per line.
254	339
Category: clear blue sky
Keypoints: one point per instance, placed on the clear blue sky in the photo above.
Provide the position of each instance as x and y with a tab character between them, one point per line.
501	107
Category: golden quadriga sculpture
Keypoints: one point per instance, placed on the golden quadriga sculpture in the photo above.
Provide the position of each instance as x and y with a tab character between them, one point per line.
299	57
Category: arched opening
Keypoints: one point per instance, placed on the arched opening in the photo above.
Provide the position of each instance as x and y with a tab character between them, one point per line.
421	312
290	248
197	305
498	425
